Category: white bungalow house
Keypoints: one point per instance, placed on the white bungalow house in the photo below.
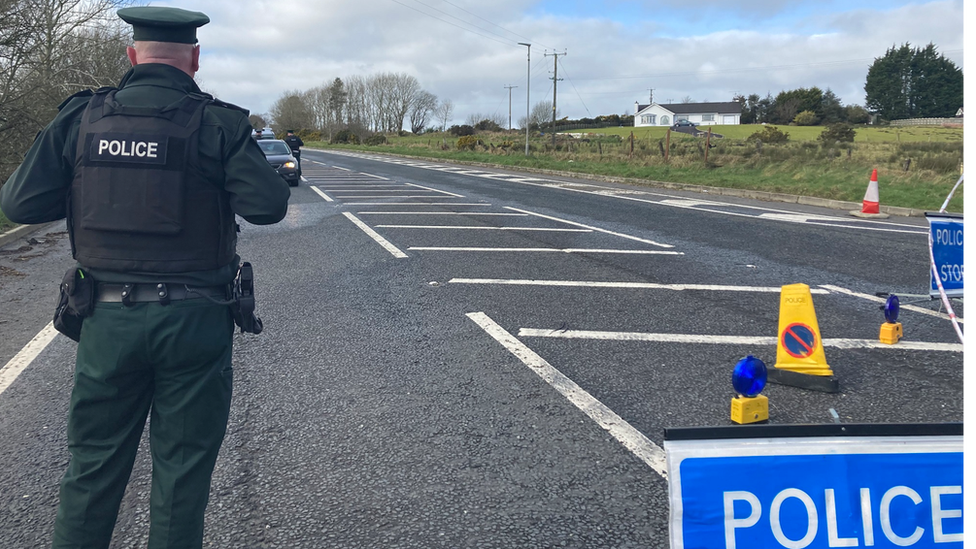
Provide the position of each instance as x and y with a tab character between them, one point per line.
703	114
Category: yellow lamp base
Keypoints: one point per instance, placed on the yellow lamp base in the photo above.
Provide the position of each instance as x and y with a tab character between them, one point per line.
891	333
750	409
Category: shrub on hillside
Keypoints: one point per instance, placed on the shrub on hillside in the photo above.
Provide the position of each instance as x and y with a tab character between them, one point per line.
806	118
488	126
770	134
345	136
467	142
461	131
837	133
373	140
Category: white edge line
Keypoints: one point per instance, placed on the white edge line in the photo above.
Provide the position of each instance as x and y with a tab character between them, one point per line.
23	359
376	176
632	439
638	239
473	228
839	343
375	236
877	299
343	169
322	194
624	285
566	250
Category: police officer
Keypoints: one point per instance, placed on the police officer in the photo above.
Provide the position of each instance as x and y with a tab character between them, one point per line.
258	134
295	143
150	177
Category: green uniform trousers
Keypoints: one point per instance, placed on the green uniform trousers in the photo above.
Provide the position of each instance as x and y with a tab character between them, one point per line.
172	363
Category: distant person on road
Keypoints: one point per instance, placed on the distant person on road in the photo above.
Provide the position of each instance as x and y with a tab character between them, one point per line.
257	134
150	176
295	143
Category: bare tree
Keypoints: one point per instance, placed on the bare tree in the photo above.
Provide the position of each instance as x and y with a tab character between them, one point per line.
494	119
540	116
403	92
423	105
292	111
50	49
445	113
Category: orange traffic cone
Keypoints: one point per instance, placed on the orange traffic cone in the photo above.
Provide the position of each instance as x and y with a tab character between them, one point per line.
870	207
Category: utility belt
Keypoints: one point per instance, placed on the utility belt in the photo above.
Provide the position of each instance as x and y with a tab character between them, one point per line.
79	292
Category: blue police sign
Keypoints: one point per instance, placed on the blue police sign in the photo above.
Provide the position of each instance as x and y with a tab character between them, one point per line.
947	249
798	487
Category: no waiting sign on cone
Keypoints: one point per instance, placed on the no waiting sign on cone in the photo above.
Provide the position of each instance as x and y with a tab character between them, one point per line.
870	207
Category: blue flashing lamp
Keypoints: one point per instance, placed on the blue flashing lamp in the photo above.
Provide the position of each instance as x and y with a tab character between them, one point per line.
749	376
891	309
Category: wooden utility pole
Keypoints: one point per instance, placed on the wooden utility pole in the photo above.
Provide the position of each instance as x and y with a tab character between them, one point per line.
555	79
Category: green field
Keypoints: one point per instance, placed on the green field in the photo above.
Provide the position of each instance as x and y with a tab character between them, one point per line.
802	166
864	134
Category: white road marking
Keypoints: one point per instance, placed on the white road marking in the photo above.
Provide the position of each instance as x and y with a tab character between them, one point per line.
467	228
374	190
376	176
322	194
390	196
435	190
877	299
343	169
681	202
625	433
418	204
624	285
434	213
302	177
23	359
563	250
839	343
335	187
375	236
627	236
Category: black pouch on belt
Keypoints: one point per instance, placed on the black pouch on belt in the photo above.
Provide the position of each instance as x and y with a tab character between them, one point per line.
76	300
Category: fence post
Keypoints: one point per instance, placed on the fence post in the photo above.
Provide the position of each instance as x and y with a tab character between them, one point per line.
631	144
667	147
708	144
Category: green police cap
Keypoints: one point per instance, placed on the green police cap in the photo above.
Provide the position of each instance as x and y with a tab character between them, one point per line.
159	24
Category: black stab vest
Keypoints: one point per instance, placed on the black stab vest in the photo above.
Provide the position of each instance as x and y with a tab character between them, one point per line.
139	201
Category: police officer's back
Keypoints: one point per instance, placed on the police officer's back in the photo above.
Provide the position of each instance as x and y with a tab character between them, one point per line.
150	177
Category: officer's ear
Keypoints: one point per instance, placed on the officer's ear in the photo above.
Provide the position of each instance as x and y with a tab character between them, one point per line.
196	58
131	53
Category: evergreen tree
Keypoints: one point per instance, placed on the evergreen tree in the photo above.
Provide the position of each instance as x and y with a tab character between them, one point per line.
913	82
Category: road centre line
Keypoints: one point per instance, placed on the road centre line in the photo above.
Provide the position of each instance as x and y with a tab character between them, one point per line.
625	285
337	167
414	204
375	236
374	190
376	176
16	366
625	433
435	190
736	340
563	250
390	196
593	228
877	299
464	227
322	194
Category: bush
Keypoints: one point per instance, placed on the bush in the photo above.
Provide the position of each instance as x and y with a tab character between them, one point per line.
461	131
806	118
837	133
345	136
373	140
467	142
488	126
857	114
770	134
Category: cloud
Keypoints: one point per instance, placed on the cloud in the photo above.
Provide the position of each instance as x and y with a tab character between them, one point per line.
256	50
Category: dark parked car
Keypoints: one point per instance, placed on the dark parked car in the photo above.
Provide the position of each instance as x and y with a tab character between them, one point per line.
279	156
683	123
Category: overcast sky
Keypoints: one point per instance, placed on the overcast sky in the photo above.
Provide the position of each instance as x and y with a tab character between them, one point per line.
467	51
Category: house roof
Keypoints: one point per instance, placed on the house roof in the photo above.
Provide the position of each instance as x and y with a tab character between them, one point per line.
689	108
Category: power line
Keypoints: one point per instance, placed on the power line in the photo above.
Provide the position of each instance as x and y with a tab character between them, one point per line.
462	20
577	91
510	43
493	24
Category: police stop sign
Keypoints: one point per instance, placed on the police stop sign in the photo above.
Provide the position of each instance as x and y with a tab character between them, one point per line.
946	231
823	486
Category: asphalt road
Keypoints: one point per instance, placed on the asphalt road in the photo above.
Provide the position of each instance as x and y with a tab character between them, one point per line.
461	357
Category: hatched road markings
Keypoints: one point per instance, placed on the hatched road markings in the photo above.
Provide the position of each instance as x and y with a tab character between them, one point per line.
650	197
